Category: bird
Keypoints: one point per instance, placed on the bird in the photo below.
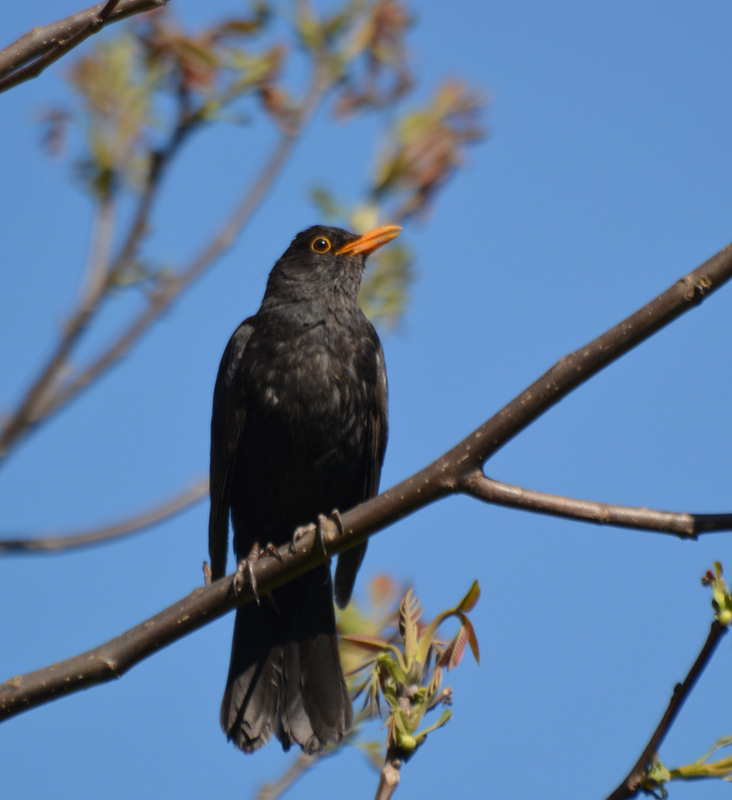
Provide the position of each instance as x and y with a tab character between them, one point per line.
298	428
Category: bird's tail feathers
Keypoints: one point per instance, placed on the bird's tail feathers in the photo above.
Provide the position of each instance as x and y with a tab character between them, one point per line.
285	675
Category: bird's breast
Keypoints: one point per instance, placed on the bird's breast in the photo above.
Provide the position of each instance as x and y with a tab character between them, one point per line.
318	380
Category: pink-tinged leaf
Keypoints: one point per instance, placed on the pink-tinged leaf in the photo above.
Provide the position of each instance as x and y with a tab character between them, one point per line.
435	681
453	653
471	598
472	639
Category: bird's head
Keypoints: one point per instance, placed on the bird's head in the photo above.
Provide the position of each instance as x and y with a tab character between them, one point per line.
324	260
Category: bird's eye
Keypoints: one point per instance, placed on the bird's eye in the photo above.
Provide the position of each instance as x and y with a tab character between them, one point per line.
320	244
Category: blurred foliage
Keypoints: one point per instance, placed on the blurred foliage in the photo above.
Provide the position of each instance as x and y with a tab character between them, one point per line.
658	775
423	148
427	146
389	275
721	596
403	659
405	666
142	93
117	105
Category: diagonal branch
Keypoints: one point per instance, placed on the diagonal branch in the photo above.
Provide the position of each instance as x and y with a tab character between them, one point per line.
631	785
57	544
115	657
164	297
95	287
28	56
101	277
685	526
447	475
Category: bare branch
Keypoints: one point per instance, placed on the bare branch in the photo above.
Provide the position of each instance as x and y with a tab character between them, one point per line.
101	276
685	526
631	785
93	290
28	56
444	476
56	544
577	367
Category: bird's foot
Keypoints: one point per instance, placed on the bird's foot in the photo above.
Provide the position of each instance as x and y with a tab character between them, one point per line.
321	529
335	518
245	568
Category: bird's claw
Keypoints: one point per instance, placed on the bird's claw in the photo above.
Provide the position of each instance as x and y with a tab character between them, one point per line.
300	532
319	527
271	550
335	518
245	568
245	572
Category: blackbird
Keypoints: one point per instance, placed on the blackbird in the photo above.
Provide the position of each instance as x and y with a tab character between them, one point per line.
298	428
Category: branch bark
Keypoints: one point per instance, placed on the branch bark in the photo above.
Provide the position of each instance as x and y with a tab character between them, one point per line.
683	525
390	773
29	55
448	474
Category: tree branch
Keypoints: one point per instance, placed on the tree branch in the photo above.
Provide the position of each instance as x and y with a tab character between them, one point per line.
39	404
631	785
102	274
94	288
57	544
685	526
444	476
203	605
28	56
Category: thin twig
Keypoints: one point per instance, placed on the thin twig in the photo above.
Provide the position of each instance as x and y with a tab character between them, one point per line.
685	526
444	476
146	519
631	785
28	56
275	789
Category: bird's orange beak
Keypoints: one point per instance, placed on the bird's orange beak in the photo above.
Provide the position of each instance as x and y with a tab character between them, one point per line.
370	241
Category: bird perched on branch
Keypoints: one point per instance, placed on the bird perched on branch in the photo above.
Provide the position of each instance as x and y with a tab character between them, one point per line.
299	428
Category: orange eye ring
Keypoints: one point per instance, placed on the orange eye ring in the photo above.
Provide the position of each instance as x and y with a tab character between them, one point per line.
320	244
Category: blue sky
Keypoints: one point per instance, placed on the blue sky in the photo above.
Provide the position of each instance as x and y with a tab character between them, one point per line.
606	178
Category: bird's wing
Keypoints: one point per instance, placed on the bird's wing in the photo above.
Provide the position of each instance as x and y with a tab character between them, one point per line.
227	424
378	431
376	436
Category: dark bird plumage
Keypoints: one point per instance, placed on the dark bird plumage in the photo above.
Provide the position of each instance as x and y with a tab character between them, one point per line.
299	427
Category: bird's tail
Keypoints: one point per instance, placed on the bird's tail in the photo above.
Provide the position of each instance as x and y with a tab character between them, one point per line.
285	675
